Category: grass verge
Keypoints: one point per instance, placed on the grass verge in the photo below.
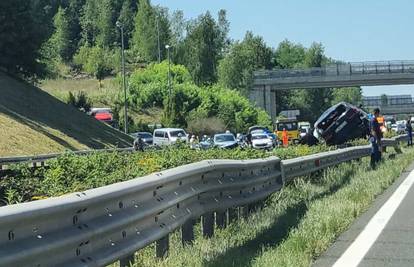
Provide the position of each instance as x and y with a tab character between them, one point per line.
297	224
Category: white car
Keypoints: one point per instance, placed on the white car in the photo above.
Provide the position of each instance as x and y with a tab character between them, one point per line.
169	136
262	141
398	128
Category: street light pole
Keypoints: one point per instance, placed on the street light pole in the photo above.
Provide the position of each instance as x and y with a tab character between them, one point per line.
121	27
158	34
169	78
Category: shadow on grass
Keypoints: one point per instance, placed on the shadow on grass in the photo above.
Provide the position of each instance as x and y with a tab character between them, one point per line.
37	109
277	232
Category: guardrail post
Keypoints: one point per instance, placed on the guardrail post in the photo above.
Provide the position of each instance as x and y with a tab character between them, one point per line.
162	246
244	211
127	260
221	221
208	224
187	232
232	213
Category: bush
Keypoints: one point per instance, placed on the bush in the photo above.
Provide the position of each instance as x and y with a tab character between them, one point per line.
97	61
209	126
227	107
80	101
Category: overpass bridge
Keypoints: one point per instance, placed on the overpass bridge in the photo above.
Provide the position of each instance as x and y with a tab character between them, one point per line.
267	82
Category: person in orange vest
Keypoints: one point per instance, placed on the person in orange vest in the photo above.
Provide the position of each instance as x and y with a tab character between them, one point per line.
285	139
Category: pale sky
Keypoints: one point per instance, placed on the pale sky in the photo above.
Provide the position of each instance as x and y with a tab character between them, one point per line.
351	31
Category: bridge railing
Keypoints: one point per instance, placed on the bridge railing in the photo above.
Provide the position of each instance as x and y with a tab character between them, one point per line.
341	69
100	226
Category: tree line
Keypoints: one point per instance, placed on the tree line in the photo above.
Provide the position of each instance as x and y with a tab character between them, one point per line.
39	36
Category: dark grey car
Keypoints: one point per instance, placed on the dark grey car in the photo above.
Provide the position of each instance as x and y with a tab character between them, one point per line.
145	136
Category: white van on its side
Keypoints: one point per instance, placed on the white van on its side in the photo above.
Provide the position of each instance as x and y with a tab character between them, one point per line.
168	136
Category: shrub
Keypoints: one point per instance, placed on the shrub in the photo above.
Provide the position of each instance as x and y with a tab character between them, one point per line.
209	126
80	101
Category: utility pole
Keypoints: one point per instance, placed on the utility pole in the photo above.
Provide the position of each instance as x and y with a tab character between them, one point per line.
121	27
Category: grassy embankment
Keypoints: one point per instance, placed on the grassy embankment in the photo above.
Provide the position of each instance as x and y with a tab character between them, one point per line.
34	122
105	96
297	224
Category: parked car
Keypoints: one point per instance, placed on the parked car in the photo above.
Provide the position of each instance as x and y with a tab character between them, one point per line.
274	139
399	128
169	136
146	137
257	129
262	141
206	143
303	132
225	140
104	115
341	123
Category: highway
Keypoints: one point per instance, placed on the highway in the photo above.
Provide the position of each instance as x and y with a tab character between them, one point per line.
383	236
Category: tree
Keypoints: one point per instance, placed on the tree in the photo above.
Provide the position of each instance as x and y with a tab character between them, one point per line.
60	41
204	47
352	95
236	69
89	23
126	17
74	11
289	55
314	56
312	102
96	61
23	29
106	24
145	36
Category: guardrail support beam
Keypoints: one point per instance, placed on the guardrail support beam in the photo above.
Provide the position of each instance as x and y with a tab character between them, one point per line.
187	232
208	224
127	260
221	221
162	246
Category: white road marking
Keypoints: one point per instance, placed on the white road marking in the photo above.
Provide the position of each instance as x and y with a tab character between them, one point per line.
357	250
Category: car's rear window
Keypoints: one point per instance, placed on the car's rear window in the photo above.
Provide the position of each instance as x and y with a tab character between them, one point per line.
176	133
145	135
259	136
224	138
159	134
289	126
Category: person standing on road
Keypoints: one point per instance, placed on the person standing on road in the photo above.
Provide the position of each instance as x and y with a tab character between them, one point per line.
285	138
375	138
409	129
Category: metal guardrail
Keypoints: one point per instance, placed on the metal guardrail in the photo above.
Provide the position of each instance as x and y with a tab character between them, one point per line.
40	160
100	226
341	69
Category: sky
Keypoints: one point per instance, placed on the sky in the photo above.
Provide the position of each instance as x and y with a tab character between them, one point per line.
351	31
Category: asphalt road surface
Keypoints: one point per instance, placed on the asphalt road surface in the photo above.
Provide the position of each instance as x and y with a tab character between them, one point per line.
375	239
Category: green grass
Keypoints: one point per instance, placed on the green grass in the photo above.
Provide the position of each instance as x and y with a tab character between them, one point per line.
104	96
34	122
297	224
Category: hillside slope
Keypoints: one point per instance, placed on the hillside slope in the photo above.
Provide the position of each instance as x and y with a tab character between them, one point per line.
34	122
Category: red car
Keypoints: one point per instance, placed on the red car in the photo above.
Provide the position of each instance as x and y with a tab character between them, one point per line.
104	115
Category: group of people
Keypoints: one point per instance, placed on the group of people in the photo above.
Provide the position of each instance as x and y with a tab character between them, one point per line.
376	137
